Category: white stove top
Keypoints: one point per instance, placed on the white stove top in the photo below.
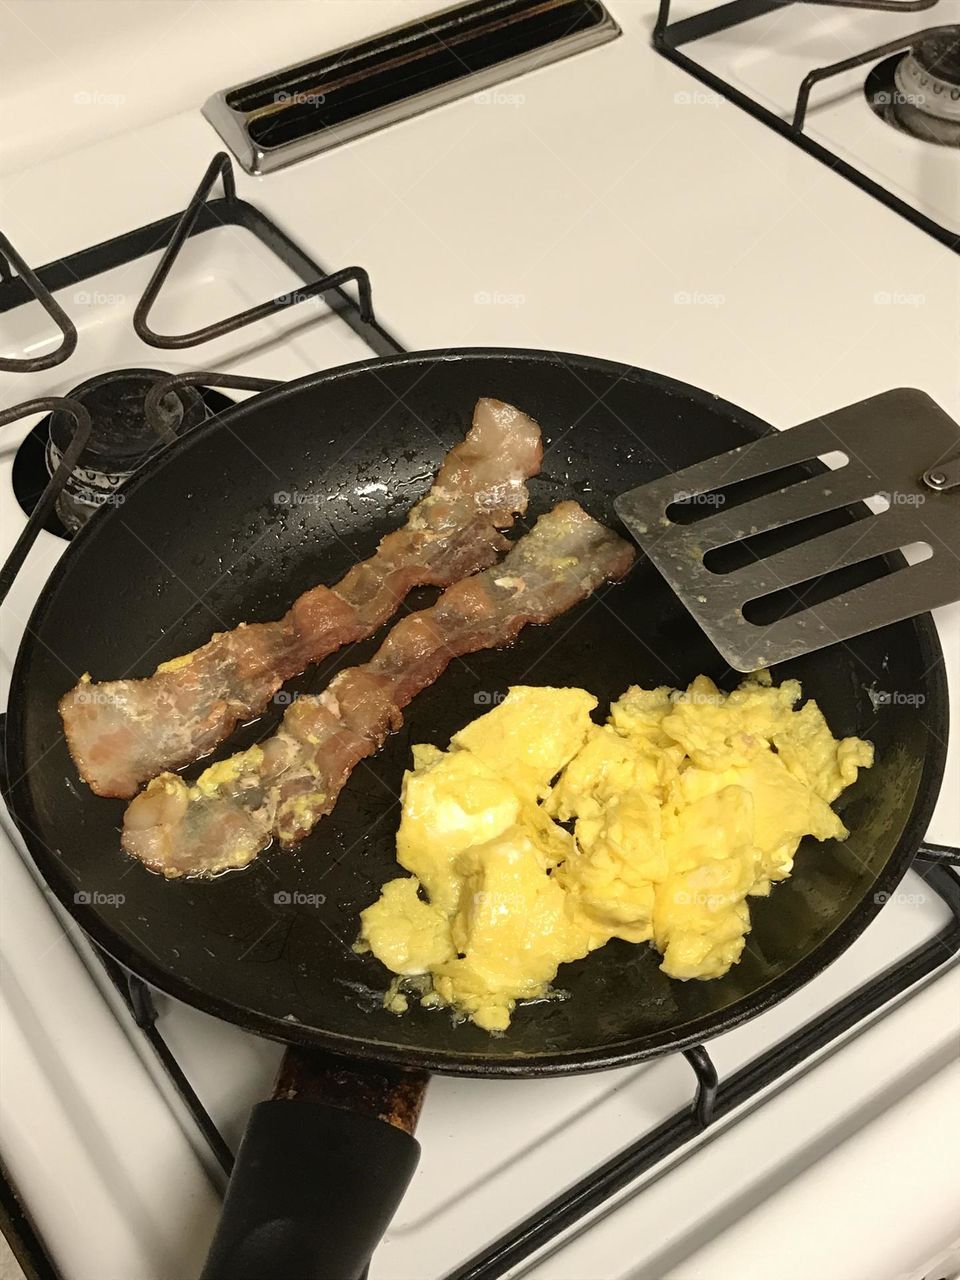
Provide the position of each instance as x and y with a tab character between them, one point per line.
599	213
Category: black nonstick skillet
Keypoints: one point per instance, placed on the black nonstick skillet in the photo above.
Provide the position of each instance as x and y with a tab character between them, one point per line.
203	541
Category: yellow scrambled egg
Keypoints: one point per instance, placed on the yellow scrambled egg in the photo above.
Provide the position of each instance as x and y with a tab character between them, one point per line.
681	806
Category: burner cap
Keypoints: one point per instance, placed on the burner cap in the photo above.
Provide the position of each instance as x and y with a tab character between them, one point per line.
113	444
938	54
926	98
121	439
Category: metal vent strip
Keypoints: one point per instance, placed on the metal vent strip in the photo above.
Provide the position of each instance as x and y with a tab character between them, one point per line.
288	115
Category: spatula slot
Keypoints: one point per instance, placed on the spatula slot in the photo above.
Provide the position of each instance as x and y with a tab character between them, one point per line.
791	517
688	506
916	552
736	555
834	460
790	601
692	503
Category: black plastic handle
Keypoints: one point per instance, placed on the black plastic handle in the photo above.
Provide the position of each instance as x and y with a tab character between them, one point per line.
312	1192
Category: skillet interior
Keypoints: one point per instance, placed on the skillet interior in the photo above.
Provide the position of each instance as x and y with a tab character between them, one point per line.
201	544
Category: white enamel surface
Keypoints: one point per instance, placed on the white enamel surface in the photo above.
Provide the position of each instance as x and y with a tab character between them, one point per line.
829	1179
109	66
111	1177
768	58
595	209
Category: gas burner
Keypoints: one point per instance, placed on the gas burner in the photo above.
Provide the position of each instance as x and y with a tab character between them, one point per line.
121	441
918	91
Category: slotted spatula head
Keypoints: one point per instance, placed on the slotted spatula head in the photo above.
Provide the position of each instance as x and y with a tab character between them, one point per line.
899	446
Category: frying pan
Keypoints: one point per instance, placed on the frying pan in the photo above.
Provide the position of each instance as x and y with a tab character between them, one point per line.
291	488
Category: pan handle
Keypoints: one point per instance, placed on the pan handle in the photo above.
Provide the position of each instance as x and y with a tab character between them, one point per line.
320	1172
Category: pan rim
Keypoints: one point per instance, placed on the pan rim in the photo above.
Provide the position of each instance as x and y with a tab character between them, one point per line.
568	1062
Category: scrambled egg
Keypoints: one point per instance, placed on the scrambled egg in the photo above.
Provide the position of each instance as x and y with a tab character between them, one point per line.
682	806
221	774
176	664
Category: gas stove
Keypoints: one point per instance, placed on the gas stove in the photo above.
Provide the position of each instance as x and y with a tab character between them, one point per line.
124	1106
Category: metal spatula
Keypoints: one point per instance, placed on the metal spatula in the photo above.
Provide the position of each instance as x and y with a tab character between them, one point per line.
900	446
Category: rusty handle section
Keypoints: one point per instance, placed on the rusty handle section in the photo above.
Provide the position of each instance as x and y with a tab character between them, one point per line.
391	1094
320	1172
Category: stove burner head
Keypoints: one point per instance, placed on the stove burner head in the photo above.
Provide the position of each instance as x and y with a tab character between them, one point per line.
121	441
919	91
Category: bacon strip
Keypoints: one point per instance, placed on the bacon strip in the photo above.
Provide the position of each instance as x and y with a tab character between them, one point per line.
122	732
284	786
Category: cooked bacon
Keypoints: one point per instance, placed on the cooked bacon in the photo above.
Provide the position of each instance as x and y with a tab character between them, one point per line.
284	786
122	732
